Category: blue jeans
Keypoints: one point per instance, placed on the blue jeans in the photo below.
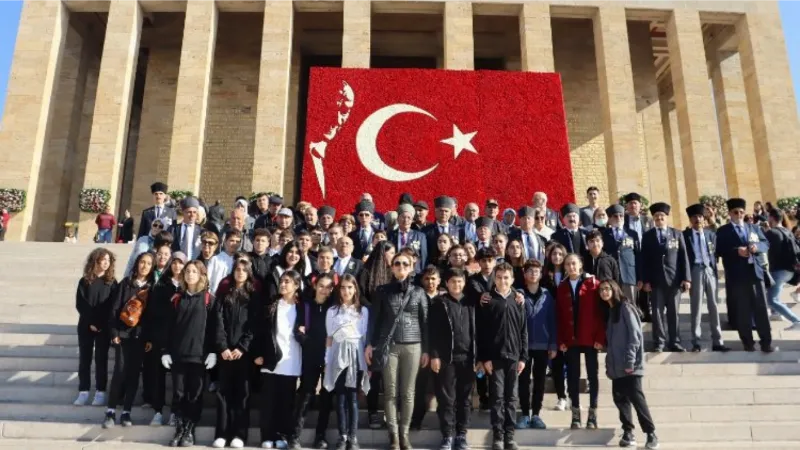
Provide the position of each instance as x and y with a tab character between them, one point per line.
104	236
774	292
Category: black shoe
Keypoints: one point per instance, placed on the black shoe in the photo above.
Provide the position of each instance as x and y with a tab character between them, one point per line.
341	444
320	442
125	420
375	420
658	349
720	348
497	444
447	443
405	442
696	348
576	419
415	426
676	348
110	420
768	349
591	421
294	444
484	404
461	443
652	441
749	347
510	445
628	439
352	443
188	435
179	430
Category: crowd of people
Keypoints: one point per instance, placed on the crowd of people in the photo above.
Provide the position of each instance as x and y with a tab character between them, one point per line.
299	304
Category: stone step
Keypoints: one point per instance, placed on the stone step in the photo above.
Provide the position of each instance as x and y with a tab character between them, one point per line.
731	432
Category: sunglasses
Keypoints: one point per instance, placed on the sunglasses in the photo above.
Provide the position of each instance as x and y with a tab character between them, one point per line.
401	264
209	243
157	225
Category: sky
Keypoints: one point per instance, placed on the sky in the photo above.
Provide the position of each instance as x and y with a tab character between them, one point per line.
10	12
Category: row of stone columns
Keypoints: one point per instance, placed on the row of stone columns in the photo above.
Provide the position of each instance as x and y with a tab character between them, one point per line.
765	80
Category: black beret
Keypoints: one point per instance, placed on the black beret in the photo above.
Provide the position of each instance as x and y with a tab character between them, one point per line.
365	205
527	211
158	187
275	200
570	208
421	205
695	210
659	207
406	198
444	202
633	196
326	211
615	209
483	222
486	253
734	203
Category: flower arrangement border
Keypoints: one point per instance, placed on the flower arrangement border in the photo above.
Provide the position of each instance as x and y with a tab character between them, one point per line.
719	202
94	200
785	204
179	194
12	199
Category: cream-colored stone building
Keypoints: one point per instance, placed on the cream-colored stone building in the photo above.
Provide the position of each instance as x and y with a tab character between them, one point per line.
671	99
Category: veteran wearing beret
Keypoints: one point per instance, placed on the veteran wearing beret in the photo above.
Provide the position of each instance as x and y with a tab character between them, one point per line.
159	210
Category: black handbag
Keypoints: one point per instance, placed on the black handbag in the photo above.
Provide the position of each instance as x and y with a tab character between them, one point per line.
380	355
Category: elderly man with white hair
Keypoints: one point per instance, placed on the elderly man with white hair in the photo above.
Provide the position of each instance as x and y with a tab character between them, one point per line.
404	236
551	218
187	234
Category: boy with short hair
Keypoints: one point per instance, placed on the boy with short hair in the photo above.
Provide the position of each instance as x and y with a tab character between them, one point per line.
430	281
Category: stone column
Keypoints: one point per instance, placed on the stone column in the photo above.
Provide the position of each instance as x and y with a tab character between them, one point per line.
191	100
616	96
272	117
27	121
736	138
674	163
113	104
356	37
459	42
648	112
536	37
770	100
699	138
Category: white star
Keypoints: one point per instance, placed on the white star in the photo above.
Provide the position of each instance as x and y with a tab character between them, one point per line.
461	141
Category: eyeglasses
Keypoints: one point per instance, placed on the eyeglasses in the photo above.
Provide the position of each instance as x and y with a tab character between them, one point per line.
157	225
605	289
209	243
401	264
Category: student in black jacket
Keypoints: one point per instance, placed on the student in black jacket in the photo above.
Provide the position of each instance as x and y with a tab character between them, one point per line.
310	323
502	350
280	356
597	262
93	301
154	335
262	262
453	358
189	349
430	280
234	313
477	285
126	339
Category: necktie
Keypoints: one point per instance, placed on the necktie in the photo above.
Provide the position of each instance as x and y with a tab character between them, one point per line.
402	239
187	242
660	236
701	243
617	234
364	240
533	252
158	212
442	230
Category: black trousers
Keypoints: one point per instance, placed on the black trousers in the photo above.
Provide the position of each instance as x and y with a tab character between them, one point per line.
574	374
277	400
503	398
233	394
187	382
558	365
643	301
154	380
482	386
127	367
750	298
91	344
308	389
422	392
531	403
375	388
628	391
454	397
346	406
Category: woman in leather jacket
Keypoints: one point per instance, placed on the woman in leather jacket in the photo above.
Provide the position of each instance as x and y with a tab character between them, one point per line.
404	344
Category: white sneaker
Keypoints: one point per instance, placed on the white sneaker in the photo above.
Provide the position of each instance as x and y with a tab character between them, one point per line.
172	420
83	399
281	444
561	405
267	444
99	399
218	443
793	327
158	420
237	443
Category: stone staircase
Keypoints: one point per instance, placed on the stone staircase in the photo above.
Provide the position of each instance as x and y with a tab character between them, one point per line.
734	400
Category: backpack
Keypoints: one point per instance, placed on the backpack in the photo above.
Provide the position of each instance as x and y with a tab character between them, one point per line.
177	299
132	311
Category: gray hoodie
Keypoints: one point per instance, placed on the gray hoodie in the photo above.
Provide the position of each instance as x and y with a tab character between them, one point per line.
625	343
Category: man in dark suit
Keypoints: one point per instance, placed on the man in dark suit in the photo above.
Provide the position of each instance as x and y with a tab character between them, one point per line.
638	222
533	245
665	271
443	210
159	210
700	245
587	212
491	210
571	235
269	219
362	235
346	264
421	215
404	236
624	246
742	246
186	235
551	218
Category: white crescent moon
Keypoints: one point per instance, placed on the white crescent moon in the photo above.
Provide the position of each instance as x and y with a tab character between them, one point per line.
367	143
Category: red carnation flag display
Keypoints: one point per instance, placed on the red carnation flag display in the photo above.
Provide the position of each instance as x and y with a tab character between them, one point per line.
472	135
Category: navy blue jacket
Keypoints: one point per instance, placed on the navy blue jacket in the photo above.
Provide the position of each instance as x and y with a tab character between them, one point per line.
728	241
540	314
711	244
665	265
562	236
627	252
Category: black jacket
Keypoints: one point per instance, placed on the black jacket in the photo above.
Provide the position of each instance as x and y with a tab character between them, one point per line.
711	244
265	342
502	329
665	265
155	326
476	286
234	321
440	324
93	302
124	292
604	267
312	316
149	215
261	266
191	326
563	237
782	249
413	325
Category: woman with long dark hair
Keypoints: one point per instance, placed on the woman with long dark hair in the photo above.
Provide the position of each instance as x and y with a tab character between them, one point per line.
126	338
290	258
346	325
552	275
234	314
625	363
93	300
515	255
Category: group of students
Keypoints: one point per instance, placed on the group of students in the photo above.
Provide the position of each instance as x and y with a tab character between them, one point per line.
267	321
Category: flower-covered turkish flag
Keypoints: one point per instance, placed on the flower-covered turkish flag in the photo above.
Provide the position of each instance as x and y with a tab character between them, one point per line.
471	135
